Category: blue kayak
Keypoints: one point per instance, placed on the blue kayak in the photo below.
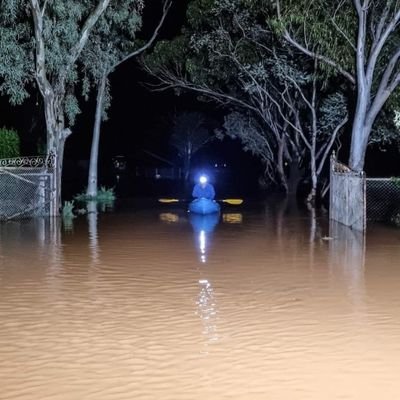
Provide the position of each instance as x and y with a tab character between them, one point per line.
204	206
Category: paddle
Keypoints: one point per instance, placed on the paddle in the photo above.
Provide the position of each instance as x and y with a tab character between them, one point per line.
228	201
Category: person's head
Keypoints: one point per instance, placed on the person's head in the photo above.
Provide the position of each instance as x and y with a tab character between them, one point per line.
203	180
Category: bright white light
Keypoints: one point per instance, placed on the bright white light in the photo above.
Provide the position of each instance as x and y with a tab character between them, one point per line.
202	242
203	179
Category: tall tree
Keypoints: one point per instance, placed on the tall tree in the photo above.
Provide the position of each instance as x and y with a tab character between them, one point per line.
112	43
359	40
230	54
47	39
189	135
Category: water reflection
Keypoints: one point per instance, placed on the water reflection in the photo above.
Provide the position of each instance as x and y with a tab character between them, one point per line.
92	217
232	218
169	217
259	319
203	226
347	258
36	241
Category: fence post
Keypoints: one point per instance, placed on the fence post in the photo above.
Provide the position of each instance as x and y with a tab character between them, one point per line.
347	196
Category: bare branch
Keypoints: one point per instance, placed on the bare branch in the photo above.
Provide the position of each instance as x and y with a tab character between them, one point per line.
346	37
44	8
166	7
330	143
379	44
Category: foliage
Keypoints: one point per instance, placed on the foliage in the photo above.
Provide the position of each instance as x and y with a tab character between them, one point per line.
357	39
104	194
396	119
326	25
244	127
396	181
230	53
68	209
9	143
112	39
385	132
62	28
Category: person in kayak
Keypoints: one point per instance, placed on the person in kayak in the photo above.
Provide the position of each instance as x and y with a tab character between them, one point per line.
203	189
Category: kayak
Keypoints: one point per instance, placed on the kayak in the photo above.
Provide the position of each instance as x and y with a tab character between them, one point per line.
204	206
204	223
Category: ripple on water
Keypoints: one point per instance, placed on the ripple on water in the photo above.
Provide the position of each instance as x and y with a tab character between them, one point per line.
136	306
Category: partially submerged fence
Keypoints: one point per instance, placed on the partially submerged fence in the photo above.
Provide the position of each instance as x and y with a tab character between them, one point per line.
383	199
27	187
354	199
347	196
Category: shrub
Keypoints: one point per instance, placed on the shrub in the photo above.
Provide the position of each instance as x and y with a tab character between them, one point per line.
68	209
9	143
103	195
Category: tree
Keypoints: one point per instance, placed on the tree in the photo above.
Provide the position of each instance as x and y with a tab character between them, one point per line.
230	55
47	46
189	135
357	39
112	44
9	143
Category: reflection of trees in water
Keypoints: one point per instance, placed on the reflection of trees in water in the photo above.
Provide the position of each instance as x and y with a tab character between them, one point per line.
347	258
39	239
92	216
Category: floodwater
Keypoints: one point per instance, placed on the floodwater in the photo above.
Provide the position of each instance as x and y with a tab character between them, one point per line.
261	303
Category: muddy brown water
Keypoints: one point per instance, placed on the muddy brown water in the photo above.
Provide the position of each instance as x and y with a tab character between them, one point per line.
258	304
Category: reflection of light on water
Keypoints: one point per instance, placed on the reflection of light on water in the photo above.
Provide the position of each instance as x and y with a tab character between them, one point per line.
202	240
207	310
232	218
169	217
202	245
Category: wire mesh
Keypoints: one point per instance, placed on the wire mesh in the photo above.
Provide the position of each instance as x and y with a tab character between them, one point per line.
383	199
25	192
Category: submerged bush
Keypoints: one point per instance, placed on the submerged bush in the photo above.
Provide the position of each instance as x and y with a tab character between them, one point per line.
68	209
9	143
396	181
104	194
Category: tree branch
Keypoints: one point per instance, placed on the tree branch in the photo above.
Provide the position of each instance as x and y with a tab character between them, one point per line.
40	61
84	35
166	7
313	54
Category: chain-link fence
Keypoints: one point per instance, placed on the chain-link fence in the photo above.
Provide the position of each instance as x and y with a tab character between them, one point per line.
383	199
26	187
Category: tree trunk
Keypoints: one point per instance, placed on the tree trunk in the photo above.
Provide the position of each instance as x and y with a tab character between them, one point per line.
56	137
295	176
313	150
360	133
280	165
94	153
